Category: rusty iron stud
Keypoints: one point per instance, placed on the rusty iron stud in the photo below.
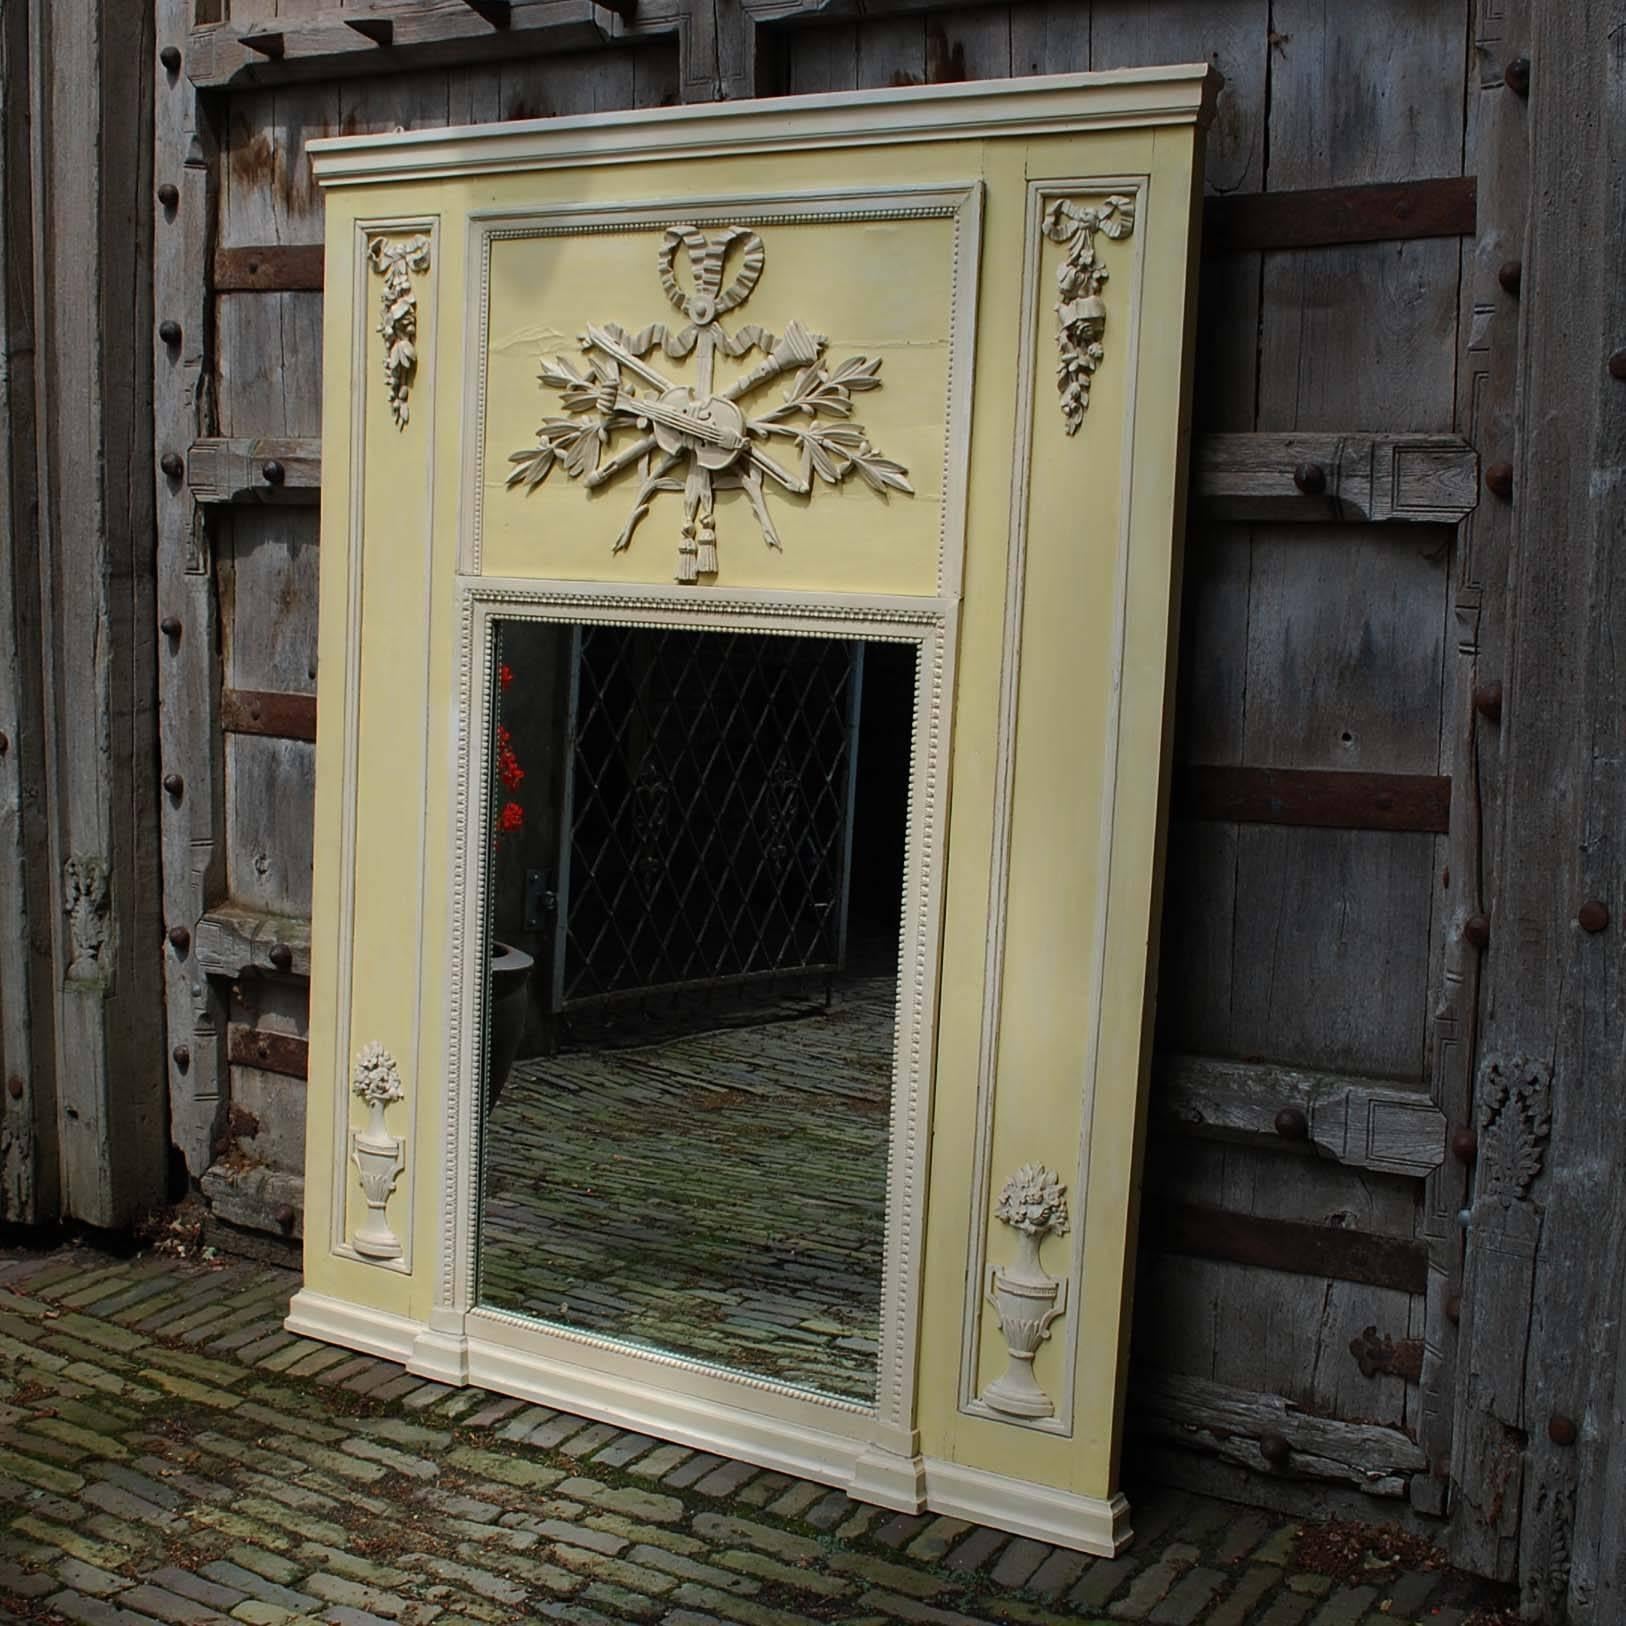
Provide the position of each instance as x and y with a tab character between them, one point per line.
169	194
1310	478
174	784
1617	365
183	1057
1476	930
1275	1449
1292	1124
274	473
14	1087
1510	273
170	626
284	1216
1488	701
1464	1144
1499	480
1453	1309
170	332
281	956
180	939
172	465
1561	1430
1516	76
170	56
1593	915
5	744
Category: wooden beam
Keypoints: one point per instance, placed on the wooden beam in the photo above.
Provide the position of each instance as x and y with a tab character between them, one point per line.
258	711
283	1053
1291	1245
1422	479
1360	1122
1320	217
1366	479
267	470
1235	1424
422	33
274	268
1320	798
231	940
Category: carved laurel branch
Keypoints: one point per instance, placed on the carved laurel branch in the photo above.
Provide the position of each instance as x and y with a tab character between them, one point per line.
397	258
1081	312
1515	1119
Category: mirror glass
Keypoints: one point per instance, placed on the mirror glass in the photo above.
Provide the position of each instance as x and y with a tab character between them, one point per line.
696	879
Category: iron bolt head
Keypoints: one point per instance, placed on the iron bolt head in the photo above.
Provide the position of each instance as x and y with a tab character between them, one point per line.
1464	1144
1275	1449
14	1087
1617	365
1510	274
1453	1309
180	939
183	1057
170	56
1292	1124
281	956
170	332
1499	480
274	473
1593	915
1310	478
172	465
174	784
285	1216
1476	930
5	744
1488	701
1516	76
169	194
1561	1430
170	626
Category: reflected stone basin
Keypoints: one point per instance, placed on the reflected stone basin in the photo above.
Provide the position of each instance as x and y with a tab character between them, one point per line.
510	971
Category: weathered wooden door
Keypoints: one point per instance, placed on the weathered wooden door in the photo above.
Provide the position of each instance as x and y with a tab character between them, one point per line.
1301	1257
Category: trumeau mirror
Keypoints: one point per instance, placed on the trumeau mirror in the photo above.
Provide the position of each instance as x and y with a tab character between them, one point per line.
749	561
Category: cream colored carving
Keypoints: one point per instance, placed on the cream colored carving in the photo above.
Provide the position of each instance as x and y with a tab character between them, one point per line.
1081	312
397	258
378	1155
696	439
1034	1204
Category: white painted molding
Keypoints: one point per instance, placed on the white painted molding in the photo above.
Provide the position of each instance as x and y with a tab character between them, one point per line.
1051	105
337	1321
1089	1524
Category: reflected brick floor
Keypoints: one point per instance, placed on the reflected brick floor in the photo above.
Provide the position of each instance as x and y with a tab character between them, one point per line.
169	1454
720	1196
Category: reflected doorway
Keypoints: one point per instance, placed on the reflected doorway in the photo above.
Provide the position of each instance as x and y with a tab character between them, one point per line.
697	869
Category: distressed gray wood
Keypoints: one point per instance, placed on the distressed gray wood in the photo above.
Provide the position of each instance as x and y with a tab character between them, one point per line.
1229	1422
28	1142
91	127
1420	479
188	666
1359	1122
232	939
225	471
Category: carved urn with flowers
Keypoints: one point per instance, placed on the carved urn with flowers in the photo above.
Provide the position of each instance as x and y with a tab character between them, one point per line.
378	1155
1027	1300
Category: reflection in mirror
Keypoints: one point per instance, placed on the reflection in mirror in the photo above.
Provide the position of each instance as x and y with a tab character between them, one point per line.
696	881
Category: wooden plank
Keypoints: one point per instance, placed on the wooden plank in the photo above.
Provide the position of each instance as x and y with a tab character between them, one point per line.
1235	1423
1294	1246
1313	797
1324	216
1363	1123
1422	479
269	268
1417	479
423	33
194	854
269	469
259	711
231	940
282	1053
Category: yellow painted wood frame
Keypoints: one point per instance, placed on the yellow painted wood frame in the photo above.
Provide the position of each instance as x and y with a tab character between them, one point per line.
1019	254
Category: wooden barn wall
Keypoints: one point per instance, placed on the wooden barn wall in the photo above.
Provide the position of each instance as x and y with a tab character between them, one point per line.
1300	1265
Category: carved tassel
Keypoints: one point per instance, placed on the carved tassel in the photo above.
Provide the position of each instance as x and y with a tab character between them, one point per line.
706	558
687	569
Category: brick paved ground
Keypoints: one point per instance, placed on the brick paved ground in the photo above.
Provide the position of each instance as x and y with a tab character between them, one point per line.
169	1454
